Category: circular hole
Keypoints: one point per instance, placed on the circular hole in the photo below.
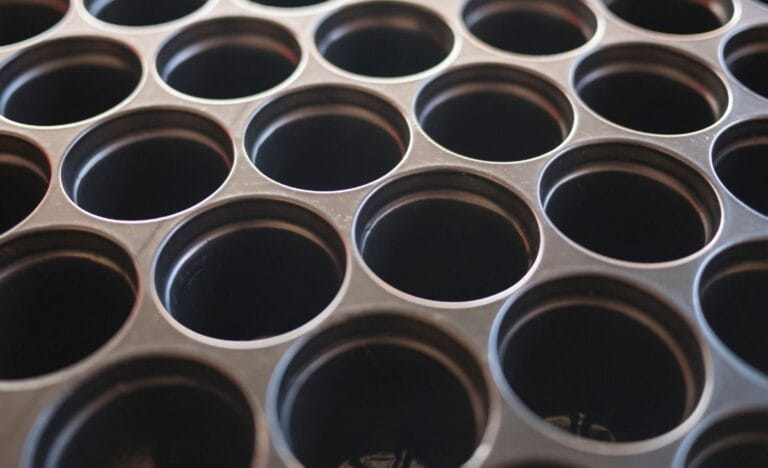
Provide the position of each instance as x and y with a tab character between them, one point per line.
746	56
25	174
67	80
599	359
674	17
229	58
23	19
630	203
399	393
141	12
288	3
63	295
739	441
384	39
447	236
494	113
733	303
651	89
147	164
150	411
250	269
532	27
327	138
739	160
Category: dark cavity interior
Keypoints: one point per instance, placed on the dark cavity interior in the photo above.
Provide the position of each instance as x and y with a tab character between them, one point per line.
446	249
252	280
734	303
740	167
627	216
87	78
142	12
328	152
59	306
383	408
746	56
740	441
24	178
539	27
744	451
750	70
230	71
229	59
493	122
21	189
149	172
384	39
674	17
173	414
648	102
24	19
596	373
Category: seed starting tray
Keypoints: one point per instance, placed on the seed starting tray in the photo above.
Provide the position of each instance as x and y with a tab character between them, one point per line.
498	233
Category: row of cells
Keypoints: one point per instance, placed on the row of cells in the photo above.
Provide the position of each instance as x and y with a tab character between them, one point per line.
256	268
519	26
641	87
331	138
542	27
644	378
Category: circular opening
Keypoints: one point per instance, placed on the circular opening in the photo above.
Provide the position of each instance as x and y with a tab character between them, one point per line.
630	203
141	12
532	27
651	89
746	56
732	300
25	174
147	164
67	80
288	3
327	138
674	17
447	236
494	113
151	411
24	19
599	359
737	442
63	295
398	393
250	269
739	158
229	58
384	39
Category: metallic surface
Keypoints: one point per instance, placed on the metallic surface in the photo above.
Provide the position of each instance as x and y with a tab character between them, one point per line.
511	433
